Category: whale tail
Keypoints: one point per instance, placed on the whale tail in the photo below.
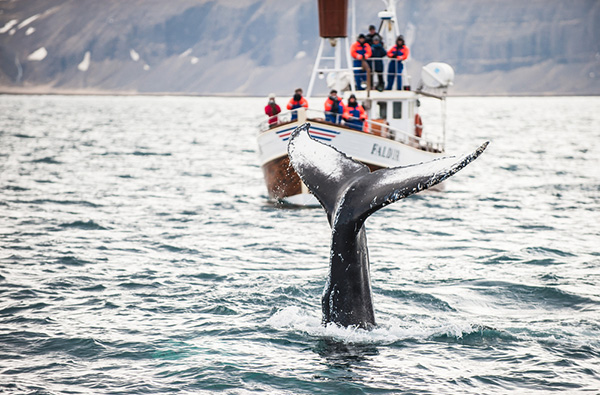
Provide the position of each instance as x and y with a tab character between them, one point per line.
348	191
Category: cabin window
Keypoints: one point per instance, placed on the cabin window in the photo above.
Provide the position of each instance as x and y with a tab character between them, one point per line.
397	110
382	106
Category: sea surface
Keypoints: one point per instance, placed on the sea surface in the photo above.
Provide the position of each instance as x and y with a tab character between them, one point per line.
139	255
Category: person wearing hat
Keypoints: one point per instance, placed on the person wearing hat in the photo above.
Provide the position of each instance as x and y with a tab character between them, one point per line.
295	102
372	33
334	108
376	63
360	51
272	109
398	53
354	114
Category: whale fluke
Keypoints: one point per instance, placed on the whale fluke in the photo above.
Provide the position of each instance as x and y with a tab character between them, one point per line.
323	169
350	193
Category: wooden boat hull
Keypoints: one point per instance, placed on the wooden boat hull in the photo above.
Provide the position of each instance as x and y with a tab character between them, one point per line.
281	179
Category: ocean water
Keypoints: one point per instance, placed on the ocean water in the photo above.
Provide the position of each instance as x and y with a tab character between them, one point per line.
139	254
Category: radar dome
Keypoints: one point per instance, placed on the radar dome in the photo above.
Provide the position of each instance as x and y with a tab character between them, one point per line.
437	75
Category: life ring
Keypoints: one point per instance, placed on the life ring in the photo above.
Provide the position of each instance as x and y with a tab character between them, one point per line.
418	126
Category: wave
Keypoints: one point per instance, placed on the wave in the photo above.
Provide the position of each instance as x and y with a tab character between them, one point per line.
71	261
212	277
27	321
141	153
94	288
218	310
138	285
183	250
15	188
545	251
135	153
78	347
540	256
535	295
21	307
54	201
85	225
47	159
387	332
422	299
23	136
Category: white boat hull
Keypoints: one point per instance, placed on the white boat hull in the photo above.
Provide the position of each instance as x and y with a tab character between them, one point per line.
377	152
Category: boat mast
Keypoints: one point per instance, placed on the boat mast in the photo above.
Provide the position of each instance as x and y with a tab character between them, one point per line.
333	21
353	36
388	29
444	123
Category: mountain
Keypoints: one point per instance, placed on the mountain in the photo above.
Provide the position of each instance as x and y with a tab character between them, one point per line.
253	47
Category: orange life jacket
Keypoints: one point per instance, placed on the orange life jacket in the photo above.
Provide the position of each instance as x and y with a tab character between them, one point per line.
398	53
360	51
292	104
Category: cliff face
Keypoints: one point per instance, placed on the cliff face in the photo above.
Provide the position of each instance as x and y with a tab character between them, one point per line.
512	46
252	47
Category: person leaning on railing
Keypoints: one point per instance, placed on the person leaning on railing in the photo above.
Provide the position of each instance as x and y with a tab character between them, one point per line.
354	114
398	53
376	62
295	102
360	50
334	108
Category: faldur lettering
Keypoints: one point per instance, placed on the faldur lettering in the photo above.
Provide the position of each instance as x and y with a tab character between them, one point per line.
385	152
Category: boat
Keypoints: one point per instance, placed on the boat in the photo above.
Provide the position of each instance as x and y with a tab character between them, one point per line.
392	134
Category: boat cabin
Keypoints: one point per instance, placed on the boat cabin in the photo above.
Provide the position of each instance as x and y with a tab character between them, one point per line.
396	109
399	113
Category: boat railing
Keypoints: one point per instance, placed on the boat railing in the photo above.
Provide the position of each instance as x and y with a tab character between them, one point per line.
374	127
276	120
383	129
377	128
372	77
282	118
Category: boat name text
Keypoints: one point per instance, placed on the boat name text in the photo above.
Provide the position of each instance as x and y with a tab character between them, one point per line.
385	152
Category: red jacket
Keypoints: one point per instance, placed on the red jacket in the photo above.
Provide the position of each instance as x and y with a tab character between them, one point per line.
269	111
398	53
360	51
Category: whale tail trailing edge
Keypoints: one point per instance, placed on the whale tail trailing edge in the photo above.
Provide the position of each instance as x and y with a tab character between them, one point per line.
348	191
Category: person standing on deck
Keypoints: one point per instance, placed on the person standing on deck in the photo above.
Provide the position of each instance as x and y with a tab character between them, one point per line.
360	50
272	109
371	35
376	63
354	114
295	102
334	108
398	53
